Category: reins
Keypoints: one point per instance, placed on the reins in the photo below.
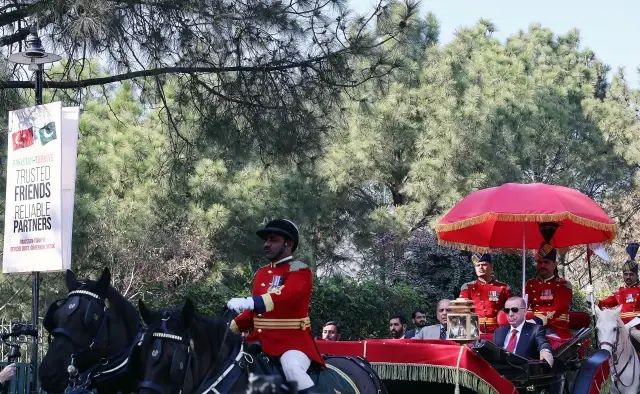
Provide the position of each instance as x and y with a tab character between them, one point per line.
614	355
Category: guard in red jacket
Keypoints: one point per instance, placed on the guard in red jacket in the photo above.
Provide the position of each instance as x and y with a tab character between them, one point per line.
548	295
488	294
628	295
278	312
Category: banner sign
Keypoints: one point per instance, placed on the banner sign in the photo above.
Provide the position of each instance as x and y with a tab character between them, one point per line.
41	174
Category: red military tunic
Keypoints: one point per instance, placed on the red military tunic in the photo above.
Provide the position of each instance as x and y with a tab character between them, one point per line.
488	299
280	319
629	298
550	300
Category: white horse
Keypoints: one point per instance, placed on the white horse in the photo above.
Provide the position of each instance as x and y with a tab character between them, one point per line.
613	336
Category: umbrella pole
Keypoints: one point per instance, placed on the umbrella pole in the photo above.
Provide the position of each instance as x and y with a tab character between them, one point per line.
524	262
593	305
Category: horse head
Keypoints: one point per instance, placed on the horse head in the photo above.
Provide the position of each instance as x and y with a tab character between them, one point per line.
613	336
91	324
610	328
182	350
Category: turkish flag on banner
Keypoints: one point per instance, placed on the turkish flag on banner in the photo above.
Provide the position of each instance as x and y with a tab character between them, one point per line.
22	138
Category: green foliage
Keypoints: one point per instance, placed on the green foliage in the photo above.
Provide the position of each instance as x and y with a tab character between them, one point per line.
508	269
435	272
362	308
174	179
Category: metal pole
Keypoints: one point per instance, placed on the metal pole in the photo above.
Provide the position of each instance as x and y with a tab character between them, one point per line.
592	298
35	296
34	347
524	265
39	83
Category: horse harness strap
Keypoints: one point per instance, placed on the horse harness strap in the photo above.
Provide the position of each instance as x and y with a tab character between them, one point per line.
114	364
614	355
91	318
72	306
149	384
232	370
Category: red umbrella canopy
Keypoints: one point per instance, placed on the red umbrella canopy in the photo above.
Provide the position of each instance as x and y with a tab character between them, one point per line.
502	217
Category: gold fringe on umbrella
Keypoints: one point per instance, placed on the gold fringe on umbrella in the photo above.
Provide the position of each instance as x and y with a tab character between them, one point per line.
479	249
511	217
434	374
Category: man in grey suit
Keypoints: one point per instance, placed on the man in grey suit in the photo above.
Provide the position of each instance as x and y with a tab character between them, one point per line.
437	331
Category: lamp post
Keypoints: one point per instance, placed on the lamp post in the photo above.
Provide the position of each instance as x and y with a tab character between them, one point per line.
35	57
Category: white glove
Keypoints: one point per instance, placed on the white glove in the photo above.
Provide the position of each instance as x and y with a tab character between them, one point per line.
240	304
7	373
589	289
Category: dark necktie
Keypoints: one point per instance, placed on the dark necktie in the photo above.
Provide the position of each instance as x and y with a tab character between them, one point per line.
443	332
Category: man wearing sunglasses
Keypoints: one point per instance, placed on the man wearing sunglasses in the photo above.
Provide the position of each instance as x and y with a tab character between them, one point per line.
488	295
521	337
550	296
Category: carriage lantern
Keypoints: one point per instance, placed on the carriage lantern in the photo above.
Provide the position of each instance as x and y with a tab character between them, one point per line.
462	322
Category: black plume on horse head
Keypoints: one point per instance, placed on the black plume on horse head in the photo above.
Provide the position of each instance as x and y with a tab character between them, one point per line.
182	350
92	324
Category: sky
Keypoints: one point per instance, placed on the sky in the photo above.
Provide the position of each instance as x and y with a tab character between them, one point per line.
605	27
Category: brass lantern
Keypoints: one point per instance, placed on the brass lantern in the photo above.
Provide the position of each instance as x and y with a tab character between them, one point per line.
462	322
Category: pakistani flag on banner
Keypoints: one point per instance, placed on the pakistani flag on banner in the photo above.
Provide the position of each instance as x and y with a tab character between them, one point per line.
47	133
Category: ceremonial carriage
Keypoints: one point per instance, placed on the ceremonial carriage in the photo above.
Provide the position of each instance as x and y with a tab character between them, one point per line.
446	366
503	219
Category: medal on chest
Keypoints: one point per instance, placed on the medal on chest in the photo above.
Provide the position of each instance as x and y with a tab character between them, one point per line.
276	282
546	295
630	298
493	295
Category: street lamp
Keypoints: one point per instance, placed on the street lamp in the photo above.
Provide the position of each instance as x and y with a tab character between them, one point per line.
35	57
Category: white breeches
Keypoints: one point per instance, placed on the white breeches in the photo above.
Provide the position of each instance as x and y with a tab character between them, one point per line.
635	333
295	365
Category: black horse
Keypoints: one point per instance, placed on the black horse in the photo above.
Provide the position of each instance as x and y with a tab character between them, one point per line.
90	331
183	352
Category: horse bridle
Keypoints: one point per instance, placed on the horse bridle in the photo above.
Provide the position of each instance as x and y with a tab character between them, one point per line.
184	340
63	332
614	355
229	371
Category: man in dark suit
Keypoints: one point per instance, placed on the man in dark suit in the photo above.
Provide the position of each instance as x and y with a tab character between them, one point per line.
520	337
419	319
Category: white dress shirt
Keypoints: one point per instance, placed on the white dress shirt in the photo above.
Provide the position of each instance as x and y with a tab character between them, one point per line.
506	339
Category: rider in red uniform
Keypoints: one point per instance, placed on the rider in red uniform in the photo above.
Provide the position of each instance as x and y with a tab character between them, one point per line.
488	295
278	311
628	295
549	296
